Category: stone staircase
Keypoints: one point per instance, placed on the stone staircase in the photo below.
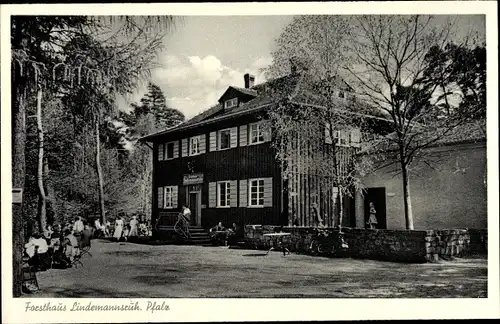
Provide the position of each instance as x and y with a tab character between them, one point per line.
199	236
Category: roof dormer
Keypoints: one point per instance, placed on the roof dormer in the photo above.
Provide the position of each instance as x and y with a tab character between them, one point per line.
234	96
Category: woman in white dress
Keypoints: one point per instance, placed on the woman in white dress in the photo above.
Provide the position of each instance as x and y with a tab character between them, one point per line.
118	228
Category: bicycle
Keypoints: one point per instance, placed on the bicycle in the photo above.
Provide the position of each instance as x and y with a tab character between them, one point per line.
181	227
323	245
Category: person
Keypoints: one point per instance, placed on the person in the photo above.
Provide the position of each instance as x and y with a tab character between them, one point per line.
134	227
186	213
48	232
126	231
70	245
99	228
41	258
107	228
233	235
78	227
219	235
372	219
143	229
317	218
118	228
85	237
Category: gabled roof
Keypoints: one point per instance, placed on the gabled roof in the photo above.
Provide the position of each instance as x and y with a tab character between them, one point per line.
294	87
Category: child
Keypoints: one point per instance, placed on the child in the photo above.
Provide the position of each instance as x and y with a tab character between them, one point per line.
372	220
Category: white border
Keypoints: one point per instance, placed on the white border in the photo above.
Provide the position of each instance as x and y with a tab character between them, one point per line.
265	309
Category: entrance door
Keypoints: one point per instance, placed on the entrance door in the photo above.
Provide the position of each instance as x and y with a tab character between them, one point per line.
194	204
377	196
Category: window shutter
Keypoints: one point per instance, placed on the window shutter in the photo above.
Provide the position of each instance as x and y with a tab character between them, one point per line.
175	196
243	135
160	152
233	193
176	149
234	137
213	141
203	143
212	194
266	130
160	197
184	148
243	193
268	192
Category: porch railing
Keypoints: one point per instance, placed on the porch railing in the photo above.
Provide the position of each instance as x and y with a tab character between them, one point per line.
166	219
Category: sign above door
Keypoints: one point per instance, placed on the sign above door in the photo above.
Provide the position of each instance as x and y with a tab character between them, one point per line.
195	178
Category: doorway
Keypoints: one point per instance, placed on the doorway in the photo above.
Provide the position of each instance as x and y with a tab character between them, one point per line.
377	196
194	204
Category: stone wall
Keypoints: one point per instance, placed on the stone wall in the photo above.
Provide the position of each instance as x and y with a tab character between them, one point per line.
388	245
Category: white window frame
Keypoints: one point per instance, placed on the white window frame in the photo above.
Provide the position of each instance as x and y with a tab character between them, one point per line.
260	133
191	141
227	188
165	151
219	133
231	103
260	195
168	203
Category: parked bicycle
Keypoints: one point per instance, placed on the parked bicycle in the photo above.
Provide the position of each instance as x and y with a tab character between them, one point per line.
181	227
328	243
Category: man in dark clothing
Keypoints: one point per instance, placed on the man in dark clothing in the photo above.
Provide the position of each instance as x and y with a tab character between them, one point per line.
85	236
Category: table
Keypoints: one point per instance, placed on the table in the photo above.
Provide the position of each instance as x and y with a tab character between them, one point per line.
278	238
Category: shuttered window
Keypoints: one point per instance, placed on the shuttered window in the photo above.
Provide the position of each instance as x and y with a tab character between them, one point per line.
224	139
197	145
224	194
167	197
256	193
256	134
170	197
169	151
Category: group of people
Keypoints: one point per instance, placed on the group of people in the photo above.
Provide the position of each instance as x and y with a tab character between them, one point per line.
58	245
121	230
221	235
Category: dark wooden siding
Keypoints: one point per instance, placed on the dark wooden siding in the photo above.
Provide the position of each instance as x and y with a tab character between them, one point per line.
251	161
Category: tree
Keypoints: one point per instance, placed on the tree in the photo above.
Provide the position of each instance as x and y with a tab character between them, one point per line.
37	41
154	102
389	58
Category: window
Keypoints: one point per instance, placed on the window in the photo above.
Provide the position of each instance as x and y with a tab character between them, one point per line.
256	192
231	103
224	194
169	151
224	139
194	145
168	201
256	133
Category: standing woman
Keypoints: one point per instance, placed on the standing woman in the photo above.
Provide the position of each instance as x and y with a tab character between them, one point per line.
372	220
118	228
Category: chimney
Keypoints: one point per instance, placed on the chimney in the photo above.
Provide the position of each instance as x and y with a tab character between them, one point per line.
249	80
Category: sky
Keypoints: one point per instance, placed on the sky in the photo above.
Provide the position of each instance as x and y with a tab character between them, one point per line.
204	55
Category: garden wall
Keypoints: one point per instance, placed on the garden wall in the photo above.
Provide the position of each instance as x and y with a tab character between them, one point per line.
388	245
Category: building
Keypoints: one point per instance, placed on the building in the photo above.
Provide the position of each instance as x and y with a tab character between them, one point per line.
223	166
449	191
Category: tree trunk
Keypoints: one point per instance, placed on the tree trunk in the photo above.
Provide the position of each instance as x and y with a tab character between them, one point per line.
18	94
341	208
42	212
51	196
407	198
99	171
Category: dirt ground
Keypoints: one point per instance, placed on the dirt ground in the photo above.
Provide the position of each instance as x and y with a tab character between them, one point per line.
169	271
